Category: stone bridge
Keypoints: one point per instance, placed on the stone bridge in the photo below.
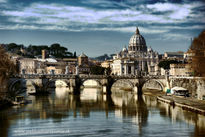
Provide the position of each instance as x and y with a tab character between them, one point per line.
73	83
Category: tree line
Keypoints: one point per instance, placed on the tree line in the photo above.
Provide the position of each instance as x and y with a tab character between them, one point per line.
31	51
7	68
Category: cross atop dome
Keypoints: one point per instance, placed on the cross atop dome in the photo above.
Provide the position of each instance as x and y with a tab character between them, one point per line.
137	30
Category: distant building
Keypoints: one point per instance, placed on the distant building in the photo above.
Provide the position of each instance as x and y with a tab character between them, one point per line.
82	60
136	59
195	58
28	66
83	64
71	64
174	55
124	66
180	70
189	54
43	64
55	70
93	62
106	64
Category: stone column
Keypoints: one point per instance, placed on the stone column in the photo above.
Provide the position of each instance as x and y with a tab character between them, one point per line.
140	65
66	70
125	69
121	66
143	65
77	70
133	69
104	88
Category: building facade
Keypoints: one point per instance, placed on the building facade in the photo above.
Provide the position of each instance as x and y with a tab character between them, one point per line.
174	55
45	64
83	64
106	64
28	66
180	70
136	59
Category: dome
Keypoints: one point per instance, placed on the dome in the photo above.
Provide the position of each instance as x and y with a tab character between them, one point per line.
137	43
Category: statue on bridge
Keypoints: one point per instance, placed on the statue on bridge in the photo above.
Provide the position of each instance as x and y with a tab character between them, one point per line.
77	70
66	70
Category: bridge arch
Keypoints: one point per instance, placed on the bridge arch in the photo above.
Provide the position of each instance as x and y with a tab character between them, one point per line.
61	83
91	83
31	87
123	84
50	84
162	86
17	86
12	86
13	83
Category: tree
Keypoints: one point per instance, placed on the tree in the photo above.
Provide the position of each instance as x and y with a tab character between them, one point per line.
97	70
7	68
165	64
197	49
108	71
74	54
15	48
54	48
59	51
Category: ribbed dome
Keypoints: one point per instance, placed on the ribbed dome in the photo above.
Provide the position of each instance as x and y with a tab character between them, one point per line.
137	42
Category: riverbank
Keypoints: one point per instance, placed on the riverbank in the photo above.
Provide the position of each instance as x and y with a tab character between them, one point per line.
186	103
4	103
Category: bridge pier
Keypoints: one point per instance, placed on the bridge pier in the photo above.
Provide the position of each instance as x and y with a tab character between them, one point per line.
135	89
138	90
104	88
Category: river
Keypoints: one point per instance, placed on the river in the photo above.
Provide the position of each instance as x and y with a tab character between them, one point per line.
93	114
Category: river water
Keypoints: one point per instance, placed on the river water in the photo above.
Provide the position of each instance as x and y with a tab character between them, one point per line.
92	114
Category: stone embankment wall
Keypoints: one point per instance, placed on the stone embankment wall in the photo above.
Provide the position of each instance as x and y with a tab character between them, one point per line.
195	85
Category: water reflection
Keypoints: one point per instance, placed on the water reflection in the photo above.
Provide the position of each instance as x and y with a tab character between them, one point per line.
133	106
178	114
92	113
91	94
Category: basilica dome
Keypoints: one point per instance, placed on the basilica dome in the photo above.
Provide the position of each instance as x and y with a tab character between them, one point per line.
137	43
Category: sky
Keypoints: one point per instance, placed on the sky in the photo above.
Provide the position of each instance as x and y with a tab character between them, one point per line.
96	27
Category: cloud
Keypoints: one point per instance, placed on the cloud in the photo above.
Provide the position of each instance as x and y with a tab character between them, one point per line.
63	14
32	27
3	1
176	11
62	17
178	36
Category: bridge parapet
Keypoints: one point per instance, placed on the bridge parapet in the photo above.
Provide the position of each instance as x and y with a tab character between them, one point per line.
125	76
93	76
83	76
35	76
154	77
